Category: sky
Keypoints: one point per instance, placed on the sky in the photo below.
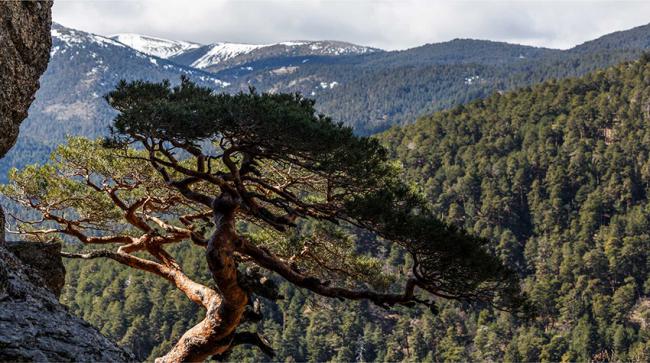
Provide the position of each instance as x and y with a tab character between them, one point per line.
386	24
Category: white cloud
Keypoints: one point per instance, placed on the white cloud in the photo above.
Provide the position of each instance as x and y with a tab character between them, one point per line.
391	24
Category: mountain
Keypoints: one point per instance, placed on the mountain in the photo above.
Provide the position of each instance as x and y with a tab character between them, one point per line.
635	38
555	175
220	56
366	88
381	89
82	68
157	47
466	51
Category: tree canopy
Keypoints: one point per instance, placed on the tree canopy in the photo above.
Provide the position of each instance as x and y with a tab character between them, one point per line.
258	181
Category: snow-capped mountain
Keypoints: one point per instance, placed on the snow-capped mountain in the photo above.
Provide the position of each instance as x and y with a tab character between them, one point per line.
87	66
221	55
218	56
113	60
70	38
158	47
219	52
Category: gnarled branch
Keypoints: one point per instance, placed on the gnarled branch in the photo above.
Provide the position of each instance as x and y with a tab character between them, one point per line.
275	264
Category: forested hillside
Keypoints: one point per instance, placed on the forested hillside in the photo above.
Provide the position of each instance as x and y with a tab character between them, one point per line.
556	176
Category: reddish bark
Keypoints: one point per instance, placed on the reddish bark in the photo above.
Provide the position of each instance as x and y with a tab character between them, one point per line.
224	311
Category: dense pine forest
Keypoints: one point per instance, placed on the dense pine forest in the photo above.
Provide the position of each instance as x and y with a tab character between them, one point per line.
288	200
555	175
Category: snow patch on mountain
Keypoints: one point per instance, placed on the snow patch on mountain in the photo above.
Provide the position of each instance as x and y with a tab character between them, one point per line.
220	52
472	79
73	37
330	85
157	47
283	70
292	44
223	51
338	48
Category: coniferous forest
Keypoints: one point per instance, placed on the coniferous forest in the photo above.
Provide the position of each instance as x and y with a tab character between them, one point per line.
215	221
555	175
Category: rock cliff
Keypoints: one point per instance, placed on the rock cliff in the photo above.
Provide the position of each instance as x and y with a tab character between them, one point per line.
25	51
44	260
34	326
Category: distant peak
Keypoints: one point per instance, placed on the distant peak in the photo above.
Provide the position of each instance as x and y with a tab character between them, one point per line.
158	47
73	37
221	52
128	36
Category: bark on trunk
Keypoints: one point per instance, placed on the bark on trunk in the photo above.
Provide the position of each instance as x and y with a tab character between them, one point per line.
224	311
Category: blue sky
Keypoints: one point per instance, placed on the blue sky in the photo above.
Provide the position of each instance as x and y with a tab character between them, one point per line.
387	24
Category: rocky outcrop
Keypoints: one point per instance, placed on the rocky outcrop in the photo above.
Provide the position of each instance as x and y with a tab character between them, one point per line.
25	44
35	327
25	51
44	259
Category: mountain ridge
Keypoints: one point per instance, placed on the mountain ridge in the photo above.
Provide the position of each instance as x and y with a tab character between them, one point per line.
371	92
218	55
622	39
158	47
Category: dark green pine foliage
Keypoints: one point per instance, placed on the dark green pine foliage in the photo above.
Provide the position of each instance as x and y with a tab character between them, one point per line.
364	188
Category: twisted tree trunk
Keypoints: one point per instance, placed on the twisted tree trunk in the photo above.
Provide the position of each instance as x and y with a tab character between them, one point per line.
225	308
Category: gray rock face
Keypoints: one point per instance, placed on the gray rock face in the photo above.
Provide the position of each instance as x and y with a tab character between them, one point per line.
34	326
25	51
44	259
2	226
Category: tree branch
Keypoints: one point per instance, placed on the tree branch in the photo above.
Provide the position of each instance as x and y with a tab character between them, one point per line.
196	292
275	264
246	338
